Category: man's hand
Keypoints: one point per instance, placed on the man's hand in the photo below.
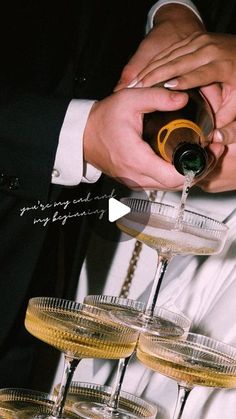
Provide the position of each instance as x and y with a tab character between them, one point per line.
113	138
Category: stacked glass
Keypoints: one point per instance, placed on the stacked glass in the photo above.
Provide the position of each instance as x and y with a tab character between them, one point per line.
79	331
113	328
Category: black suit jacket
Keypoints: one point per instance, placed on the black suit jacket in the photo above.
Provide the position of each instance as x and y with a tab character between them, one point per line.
218	15
51	52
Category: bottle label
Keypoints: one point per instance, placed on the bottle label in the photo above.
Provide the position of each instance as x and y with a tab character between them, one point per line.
162	136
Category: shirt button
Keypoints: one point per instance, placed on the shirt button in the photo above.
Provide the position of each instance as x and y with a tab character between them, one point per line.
13	183
80	79
55	173
2	179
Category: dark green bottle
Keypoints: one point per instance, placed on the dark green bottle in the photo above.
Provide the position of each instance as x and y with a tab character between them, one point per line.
181	137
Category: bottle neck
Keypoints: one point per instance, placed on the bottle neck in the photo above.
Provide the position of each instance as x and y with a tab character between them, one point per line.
190	157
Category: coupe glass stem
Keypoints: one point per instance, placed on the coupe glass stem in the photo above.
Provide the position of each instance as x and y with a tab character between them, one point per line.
162	264
70	365
115	392
183	393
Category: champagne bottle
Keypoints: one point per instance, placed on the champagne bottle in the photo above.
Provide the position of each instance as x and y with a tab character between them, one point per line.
181	137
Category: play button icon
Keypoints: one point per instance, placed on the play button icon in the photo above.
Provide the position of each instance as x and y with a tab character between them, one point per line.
106	204
116	209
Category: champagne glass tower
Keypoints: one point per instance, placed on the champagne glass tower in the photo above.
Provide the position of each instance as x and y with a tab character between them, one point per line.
170	325
155	225
79	331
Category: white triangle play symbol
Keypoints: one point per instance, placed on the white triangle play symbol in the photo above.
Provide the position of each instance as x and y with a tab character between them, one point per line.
116	209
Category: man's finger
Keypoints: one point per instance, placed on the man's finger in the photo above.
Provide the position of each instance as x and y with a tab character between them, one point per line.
155	98
226	135
227	112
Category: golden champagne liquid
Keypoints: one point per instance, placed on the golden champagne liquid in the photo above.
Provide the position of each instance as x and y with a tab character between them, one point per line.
80	335
161	234
20	410
7	413
187	373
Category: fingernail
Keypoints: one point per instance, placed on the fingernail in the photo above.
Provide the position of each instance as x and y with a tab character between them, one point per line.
218	136
132	83
135	83
171	83
139	84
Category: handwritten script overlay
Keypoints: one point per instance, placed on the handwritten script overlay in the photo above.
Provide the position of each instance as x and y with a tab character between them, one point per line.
73	208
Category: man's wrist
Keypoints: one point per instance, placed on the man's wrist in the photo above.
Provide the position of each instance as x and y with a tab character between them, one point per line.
178	16
178	10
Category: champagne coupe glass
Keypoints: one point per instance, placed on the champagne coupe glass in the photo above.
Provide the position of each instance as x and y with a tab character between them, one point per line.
170	325
154	224
196	360
79	331
80	394
20	403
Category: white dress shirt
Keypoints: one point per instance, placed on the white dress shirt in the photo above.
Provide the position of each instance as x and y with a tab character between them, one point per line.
69	167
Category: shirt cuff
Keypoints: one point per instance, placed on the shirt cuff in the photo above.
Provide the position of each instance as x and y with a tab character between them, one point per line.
160	3
69	167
